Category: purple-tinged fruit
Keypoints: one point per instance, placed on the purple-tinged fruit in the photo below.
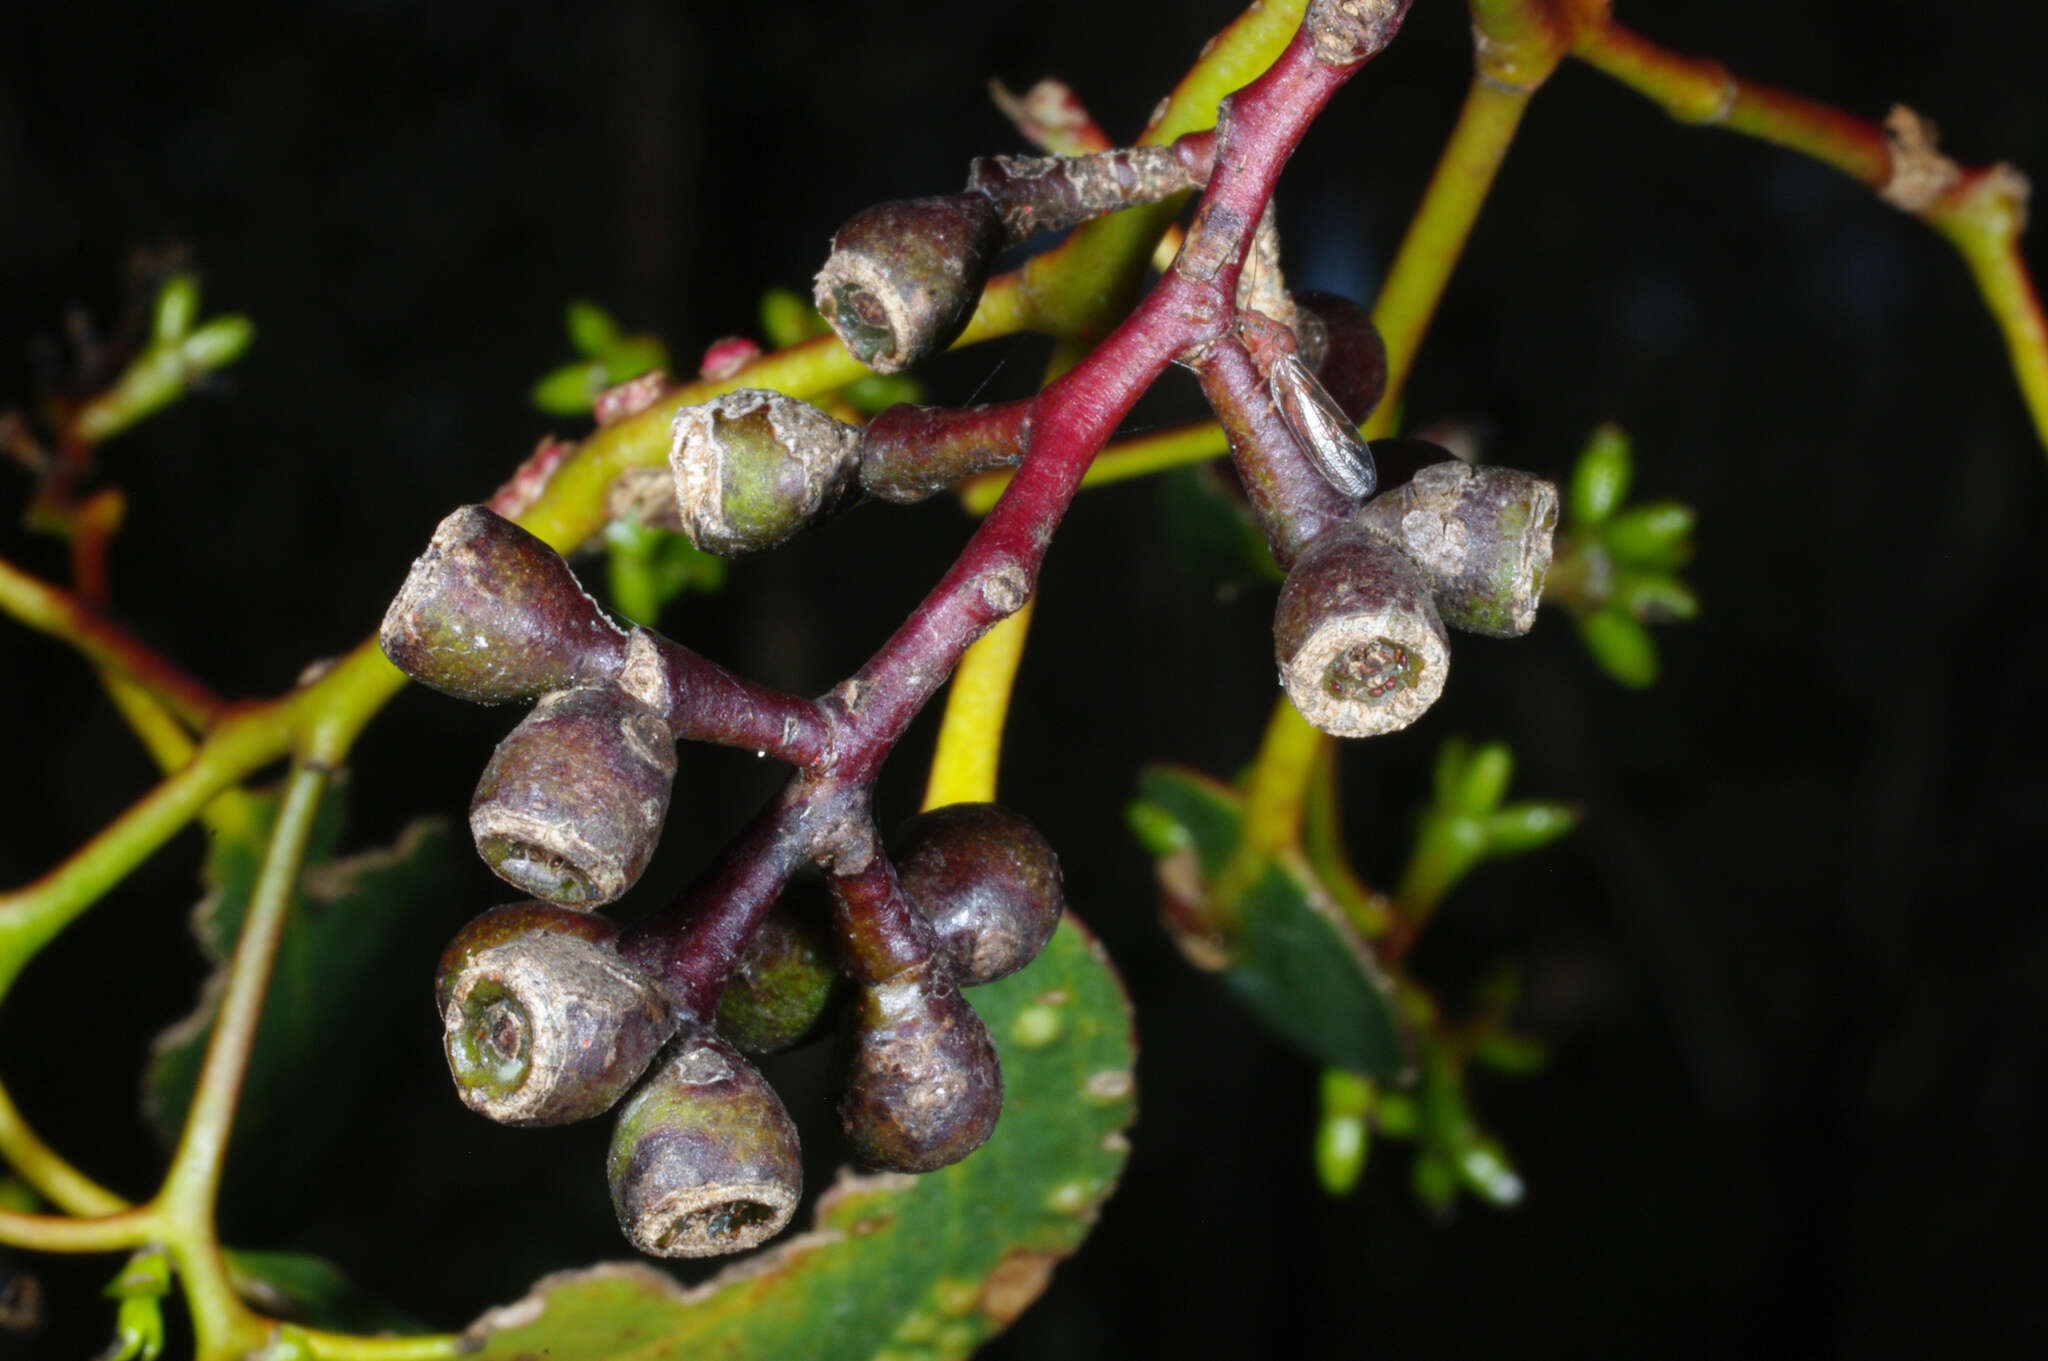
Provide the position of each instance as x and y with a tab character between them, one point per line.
571	805
489	613
548	1027
704	1159
1483	535
987	881
1356	635
920	1086
753	467
903	278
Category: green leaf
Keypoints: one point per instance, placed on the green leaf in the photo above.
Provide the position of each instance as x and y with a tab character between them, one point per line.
591	329
1287	951
633	356
648	567
898	1266
357	925
787	318
570	390
1656	535
1600	480
1523	827
177	303
1654	597
1343	1135
1485	778
1621	646
313	1291
219	343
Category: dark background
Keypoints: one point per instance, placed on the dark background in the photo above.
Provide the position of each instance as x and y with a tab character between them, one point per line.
1789	966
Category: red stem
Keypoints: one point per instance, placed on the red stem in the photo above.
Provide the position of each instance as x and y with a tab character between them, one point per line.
1064	427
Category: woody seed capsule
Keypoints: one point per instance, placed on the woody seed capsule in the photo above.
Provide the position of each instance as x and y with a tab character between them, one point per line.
489	613
571	805
548	1027
704	1159
1482	534
1360	647
753	467
903	278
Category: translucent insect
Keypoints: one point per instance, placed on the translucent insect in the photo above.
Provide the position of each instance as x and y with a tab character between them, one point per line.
1323	429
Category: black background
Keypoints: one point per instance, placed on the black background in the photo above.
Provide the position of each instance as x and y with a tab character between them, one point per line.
1789	965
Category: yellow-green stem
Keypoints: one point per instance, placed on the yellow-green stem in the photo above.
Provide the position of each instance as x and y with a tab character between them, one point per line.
1429	252
186	1202
41	1167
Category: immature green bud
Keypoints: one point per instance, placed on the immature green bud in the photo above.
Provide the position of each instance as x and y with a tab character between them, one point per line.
753	467
490	613
548	1027
987	881
1482	534
785	984
704	1159
571	805
1360	647
903	278
920	1084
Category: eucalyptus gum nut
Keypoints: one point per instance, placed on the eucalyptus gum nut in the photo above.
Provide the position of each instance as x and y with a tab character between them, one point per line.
489	613
704	1160
920	1086
501	925
1483	535
549	1027
571	805
754	467
903	277
783	988
1360	648
987	881
1352	363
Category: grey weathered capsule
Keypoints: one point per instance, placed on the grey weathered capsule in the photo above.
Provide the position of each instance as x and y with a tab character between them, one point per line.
571	805
1483	535
1357	637
1322	428
754	466
548	1026
704	1159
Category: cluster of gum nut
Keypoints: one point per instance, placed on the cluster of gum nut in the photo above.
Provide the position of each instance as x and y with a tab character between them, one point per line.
547	1020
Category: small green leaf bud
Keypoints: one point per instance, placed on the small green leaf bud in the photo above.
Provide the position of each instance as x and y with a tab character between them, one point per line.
1485	778
1356	635
903	278
571	805
177	303
1523	827
218	344
1656	535
548	1027
753	467
704	1159
1600	479
1482	534
920	1084
1653	598
987	881
1621	646
490	613
1343	1134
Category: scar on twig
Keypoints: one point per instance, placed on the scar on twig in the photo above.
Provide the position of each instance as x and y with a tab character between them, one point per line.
1920	173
